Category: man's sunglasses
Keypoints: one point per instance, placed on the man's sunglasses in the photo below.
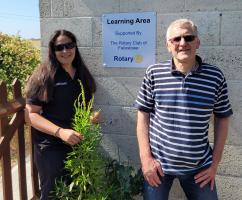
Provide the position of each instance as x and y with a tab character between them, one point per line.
187	38
61	47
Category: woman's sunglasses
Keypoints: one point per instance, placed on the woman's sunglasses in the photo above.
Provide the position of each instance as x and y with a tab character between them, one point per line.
187	38
61	47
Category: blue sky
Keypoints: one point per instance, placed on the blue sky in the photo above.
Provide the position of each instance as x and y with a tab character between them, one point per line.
20	17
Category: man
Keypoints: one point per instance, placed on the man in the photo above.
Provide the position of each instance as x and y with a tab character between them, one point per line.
175	103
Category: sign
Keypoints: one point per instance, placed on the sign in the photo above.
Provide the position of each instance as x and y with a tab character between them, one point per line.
129	39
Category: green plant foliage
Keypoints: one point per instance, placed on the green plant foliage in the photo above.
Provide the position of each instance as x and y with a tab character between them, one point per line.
18	58
124	180
93	175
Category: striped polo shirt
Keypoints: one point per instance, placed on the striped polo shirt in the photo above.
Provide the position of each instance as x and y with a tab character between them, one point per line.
180	107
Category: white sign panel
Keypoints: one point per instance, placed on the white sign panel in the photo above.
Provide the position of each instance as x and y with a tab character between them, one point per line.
129	39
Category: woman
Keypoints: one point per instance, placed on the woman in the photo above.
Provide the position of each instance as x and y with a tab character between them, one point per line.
50	95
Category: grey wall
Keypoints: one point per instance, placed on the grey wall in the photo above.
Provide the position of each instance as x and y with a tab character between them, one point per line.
220	29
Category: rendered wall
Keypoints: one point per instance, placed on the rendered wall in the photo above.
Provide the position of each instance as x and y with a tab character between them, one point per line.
220	29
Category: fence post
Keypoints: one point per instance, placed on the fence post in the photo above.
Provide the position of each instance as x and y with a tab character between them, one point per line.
34	172
6	161
21	145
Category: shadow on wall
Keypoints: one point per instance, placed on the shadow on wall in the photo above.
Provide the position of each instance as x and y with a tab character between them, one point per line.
118	119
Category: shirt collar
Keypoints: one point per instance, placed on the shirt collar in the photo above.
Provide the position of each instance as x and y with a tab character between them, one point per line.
196	70
63	73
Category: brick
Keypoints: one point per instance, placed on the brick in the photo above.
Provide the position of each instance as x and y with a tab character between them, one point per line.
123	148
45	8
235	133
118	120
97	32
57	8
81	27
231	162
162	6
80	8
226	58
163	55
231	28
229	187
114	90
208	5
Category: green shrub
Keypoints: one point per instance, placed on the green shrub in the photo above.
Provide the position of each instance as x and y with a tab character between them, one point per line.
18	58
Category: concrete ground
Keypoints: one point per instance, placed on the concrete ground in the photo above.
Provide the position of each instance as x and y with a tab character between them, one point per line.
15	181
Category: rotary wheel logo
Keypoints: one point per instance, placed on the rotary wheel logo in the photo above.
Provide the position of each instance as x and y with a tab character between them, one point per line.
138	58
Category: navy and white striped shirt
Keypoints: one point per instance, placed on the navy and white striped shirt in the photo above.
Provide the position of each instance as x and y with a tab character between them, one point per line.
180	107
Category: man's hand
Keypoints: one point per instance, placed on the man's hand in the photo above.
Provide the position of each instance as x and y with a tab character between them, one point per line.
206	176
220	134
151	170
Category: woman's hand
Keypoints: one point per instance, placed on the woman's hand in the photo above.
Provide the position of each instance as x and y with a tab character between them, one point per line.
95	117
70	136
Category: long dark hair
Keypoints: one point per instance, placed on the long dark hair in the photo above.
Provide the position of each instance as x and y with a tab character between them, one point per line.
41	83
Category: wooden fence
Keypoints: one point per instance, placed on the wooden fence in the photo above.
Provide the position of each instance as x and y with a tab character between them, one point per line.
12	123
